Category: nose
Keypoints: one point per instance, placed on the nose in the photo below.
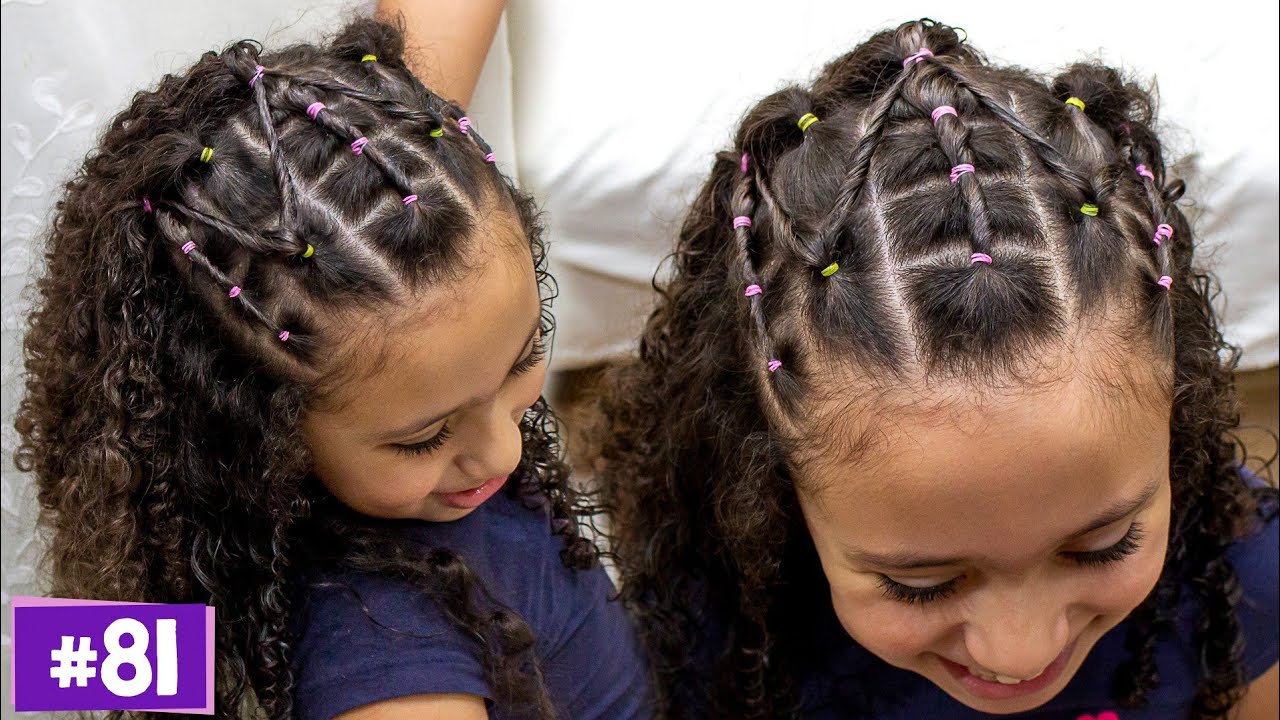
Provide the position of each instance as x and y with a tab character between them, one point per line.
494	448
1017	637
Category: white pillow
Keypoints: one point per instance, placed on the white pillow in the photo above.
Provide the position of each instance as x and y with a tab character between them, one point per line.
619	108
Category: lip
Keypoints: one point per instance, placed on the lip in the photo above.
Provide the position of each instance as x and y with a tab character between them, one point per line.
990	690
475	497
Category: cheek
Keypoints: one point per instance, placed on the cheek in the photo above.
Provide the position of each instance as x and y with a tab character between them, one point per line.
892	630
377	483
1115	591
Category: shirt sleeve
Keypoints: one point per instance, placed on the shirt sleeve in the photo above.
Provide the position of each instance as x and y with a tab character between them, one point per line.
1255	560
365	640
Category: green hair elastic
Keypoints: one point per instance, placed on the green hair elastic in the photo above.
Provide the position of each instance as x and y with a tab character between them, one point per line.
1076	102
831	269
309	251
369	58
806	120
437	132
206	155
1089	209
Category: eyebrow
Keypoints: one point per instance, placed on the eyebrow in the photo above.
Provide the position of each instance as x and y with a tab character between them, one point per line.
912	561
420	425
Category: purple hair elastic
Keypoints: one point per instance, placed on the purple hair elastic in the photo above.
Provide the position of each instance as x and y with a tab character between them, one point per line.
976	258
314	109
235	291
959	170
284	336
357	147
774	365
1165	282
915	59
741	221
464	123
1144	172
491	158
409	200
146	204
941	110
743	164
257	75
188	247
753	290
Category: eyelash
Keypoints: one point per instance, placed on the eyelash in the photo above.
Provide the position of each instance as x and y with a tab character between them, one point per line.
433	443
1122	549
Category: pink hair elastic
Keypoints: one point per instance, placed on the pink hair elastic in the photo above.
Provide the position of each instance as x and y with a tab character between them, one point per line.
743	164
235	291
742	221
188	247
146	204
959	170
919	55
357	147
314	109
774	365
284	336
257	75
491	158
1144	172
1163	232
409	200
941	110
976	258
753	290
464	123
1165	282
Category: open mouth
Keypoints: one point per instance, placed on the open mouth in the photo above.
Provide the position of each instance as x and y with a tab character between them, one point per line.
993	686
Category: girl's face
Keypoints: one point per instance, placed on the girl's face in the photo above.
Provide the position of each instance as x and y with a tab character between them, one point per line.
988	545
430	427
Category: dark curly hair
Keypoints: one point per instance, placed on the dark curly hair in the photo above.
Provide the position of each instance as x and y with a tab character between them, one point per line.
950	279
161	417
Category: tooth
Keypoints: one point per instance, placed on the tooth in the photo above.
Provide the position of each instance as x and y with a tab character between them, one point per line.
1007	680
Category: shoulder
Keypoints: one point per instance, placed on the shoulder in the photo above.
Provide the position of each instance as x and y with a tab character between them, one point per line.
1255	558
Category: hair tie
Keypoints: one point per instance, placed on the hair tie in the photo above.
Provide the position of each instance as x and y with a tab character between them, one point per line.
206	155
961	169
464	123
1089	209
774	365
188	247
314	109
257	75
743	164
806	120
741	221
369	58
436	132
976	258
357	147
1165	282
235	291
284	336
490	158
1163	232
309	251
941	110
753	290
1076	102
146	204
409	200
831	269
915	59
1144	172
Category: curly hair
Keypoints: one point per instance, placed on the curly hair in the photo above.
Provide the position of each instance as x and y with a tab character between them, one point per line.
176	344
953	279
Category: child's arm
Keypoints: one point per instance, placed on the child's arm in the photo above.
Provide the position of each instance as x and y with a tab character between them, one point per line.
421	707
447	41
1260	700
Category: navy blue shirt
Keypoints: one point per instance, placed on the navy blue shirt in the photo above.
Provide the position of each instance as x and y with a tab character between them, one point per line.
846	676
590	656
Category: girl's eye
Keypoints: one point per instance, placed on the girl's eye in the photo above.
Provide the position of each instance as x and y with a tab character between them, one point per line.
429	445
1125	547
535	356
912	595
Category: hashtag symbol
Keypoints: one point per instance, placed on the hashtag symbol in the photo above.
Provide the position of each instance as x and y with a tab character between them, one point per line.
73	664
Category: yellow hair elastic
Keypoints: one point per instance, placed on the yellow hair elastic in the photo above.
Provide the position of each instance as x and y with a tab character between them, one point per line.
438	132
206	155
830	270
369	58
1077	102
309	251
1089	209
806	120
